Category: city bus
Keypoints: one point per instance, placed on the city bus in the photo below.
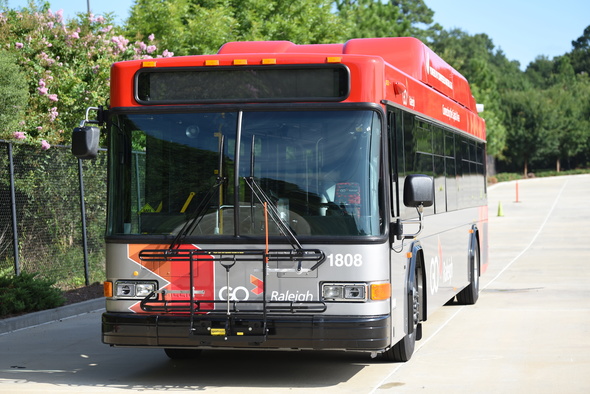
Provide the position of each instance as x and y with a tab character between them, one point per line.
277	196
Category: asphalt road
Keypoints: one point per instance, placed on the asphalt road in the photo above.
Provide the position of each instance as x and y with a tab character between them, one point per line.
528	333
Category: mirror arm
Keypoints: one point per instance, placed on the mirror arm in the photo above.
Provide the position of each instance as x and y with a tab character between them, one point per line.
101	115
420	210
397	228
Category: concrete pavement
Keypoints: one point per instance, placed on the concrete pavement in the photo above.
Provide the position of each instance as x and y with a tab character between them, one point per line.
528	333
530	330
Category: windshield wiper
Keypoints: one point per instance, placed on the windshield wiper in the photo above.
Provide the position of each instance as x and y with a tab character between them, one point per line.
273	212
298	253
201	209
270	205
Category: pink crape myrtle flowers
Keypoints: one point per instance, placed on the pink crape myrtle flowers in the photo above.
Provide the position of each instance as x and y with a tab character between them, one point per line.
66	66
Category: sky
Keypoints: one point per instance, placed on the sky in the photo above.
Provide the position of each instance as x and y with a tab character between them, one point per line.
522	29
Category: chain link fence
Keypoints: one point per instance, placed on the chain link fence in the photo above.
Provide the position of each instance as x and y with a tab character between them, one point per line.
49	238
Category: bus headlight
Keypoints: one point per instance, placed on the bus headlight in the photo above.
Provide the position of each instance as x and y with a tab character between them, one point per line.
344	291
144	289
134	289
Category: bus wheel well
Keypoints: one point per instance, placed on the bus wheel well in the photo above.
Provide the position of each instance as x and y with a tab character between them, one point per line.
421	273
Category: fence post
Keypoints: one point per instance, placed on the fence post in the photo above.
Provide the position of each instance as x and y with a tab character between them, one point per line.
83	213
13	211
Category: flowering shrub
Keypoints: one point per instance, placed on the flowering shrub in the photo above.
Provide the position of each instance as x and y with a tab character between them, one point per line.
66	64
13	93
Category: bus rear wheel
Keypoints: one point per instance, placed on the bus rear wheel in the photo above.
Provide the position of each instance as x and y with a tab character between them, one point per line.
182	354
470	294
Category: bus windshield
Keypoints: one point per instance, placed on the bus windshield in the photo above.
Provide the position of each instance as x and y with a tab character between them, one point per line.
320	170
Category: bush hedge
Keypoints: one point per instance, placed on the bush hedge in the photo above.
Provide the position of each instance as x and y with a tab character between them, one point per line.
28	293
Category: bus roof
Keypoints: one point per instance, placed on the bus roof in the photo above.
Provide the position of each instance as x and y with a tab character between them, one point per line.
409	74
406	54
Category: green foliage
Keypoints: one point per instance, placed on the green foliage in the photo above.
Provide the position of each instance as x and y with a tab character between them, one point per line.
548	173
28	293
66	65
580	55
473	57
527	113
536	118
194	27
303	22
420	17
372	18
507	176
369	18
513	176
48	214
13	93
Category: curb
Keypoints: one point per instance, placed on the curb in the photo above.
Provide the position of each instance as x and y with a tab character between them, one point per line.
50	315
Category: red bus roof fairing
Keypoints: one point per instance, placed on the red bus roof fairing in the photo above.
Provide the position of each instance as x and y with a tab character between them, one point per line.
400	70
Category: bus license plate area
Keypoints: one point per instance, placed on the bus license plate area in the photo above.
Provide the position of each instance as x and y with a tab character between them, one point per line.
230	330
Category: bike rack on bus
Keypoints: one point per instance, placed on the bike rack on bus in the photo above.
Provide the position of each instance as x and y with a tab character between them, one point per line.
244	321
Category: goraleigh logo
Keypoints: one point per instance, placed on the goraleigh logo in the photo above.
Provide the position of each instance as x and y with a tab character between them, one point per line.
291	296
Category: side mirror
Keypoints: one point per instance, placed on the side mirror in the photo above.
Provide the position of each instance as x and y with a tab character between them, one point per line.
418	191
85	141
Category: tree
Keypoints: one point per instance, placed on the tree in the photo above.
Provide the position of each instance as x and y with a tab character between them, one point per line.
544	73
565	115
580	55
370	18
194	27
529	119
303	21
186	27
567	118
66	65
540	72
471	56
13	94
374	18
421	19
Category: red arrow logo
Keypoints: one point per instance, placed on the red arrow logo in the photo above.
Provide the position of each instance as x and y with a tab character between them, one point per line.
258	283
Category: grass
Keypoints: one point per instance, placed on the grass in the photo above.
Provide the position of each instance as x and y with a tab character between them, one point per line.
511	176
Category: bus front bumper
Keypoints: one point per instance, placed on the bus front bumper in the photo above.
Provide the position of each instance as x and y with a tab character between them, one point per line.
361	333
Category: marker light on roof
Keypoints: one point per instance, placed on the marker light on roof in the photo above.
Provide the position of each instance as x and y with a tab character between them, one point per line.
399	88
211	62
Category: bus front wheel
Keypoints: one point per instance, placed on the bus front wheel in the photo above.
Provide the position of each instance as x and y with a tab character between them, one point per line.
403	350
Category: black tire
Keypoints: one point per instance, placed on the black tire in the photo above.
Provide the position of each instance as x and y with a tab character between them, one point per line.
403	350
182	354
470	294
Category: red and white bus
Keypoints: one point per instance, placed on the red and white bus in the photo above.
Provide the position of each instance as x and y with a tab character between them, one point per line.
282	196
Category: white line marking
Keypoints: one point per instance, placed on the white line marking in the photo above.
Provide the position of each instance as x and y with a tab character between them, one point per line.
460	309
541	227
